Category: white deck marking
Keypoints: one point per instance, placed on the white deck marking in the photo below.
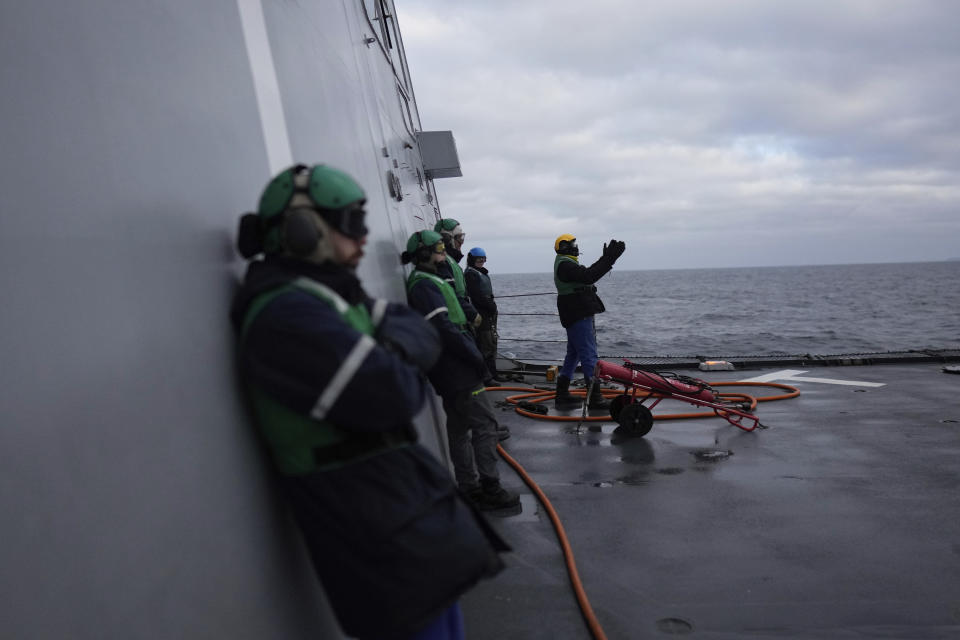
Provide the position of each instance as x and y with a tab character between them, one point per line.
794	375
265	85
776	375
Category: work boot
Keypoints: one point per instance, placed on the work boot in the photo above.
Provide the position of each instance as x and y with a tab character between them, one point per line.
473	494
490	382
563	397
596	399
493	496
494	374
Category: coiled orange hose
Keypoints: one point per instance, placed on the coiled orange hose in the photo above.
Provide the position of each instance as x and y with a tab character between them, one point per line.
593	624
543	395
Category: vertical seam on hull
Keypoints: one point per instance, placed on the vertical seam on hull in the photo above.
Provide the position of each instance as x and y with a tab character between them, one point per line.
265	85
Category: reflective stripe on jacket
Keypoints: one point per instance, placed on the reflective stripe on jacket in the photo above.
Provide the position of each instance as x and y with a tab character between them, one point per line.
305	444
453	310
460	366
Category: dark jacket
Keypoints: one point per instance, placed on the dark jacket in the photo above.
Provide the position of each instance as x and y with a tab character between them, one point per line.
297	343
390	538
585	303
480	290
460	367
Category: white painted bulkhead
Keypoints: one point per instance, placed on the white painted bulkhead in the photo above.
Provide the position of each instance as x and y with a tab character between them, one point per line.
136	500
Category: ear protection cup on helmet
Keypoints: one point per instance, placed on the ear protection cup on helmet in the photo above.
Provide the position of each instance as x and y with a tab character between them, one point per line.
332	194
424	251
249	240
300	235
423	254
420	246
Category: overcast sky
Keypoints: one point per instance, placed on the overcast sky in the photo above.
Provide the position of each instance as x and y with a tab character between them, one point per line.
703	133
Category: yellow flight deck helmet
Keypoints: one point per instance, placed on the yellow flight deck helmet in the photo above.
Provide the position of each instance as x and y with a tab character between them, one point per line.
566	245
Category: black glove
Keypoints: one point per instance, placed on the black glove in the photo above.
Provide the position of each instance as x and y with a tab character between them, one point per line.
614	249
410	336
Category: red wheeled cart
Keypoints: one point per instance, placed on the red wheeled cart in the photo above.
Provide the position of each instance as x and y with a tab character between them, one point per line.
634	416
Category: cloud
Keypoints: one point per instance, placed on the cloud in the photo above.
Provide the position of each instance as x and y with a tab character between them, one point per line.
760	127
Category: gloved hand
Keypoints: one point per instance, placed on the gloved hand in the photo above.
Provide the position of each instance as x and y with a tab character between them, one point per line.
614	249
410	336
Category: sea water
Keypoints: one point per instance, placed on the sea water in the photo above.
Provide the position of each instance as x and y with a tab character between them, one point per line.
821	310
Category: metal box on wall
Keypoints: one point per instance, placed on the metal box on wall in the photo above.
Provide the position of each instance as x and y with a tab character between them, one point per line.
438	150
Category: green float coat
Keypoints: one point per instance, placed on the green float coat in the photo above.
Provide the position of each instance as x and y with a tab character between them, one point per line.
454	311
293	438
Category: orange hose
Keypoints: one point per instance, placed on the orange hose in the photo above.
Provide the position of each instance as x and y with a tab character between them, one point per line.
596	631
543	395
585	609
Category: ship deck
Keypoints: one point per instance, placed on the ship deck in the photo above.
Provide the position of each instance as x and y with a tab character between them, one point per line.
839	521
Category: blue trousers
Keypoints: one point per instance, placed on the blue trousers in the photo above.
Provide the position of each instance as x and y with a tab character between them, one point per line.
581	347
447	626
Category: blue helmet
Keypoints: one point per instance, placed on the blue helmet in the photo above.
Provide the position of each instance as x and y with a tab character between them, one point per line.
477	252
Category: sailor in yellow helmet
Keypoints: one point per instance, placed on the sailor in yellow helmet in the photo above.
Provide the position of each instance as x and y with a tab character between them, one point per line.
577	303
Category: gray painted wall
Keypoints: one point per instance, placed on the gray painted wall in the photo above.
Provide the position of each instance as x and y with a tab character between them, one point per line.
136	501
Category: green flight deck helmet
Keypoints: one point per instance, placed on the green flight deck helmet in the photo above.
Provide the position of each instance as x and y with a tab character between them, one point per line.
420	245
449	226
287	216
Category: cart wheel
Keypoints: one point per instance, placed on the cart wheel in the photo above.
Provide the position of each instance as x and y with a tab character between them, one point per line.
618	403
636	420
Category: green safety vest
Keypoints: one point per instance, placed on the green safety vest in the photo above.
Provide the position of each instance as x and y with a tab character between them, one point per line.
566	288
454	310
293	438
459	284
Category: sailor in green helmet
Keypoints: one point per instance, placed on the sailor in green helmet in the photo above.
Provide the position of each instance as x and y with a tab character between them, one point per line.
457	376
577	303
334	379
451	271
453	236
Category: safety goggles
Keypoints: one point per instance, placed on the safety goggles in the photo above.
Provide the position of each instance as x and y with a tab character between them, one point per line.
350	221
439	247
460	237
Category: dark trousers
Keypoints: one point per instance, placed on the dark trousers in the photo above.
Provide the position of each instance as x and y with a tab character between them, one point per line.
472	435
487	343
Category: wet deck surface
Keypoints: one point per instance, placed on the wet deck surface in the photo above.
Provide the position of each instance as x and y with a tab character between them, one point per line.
840	521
